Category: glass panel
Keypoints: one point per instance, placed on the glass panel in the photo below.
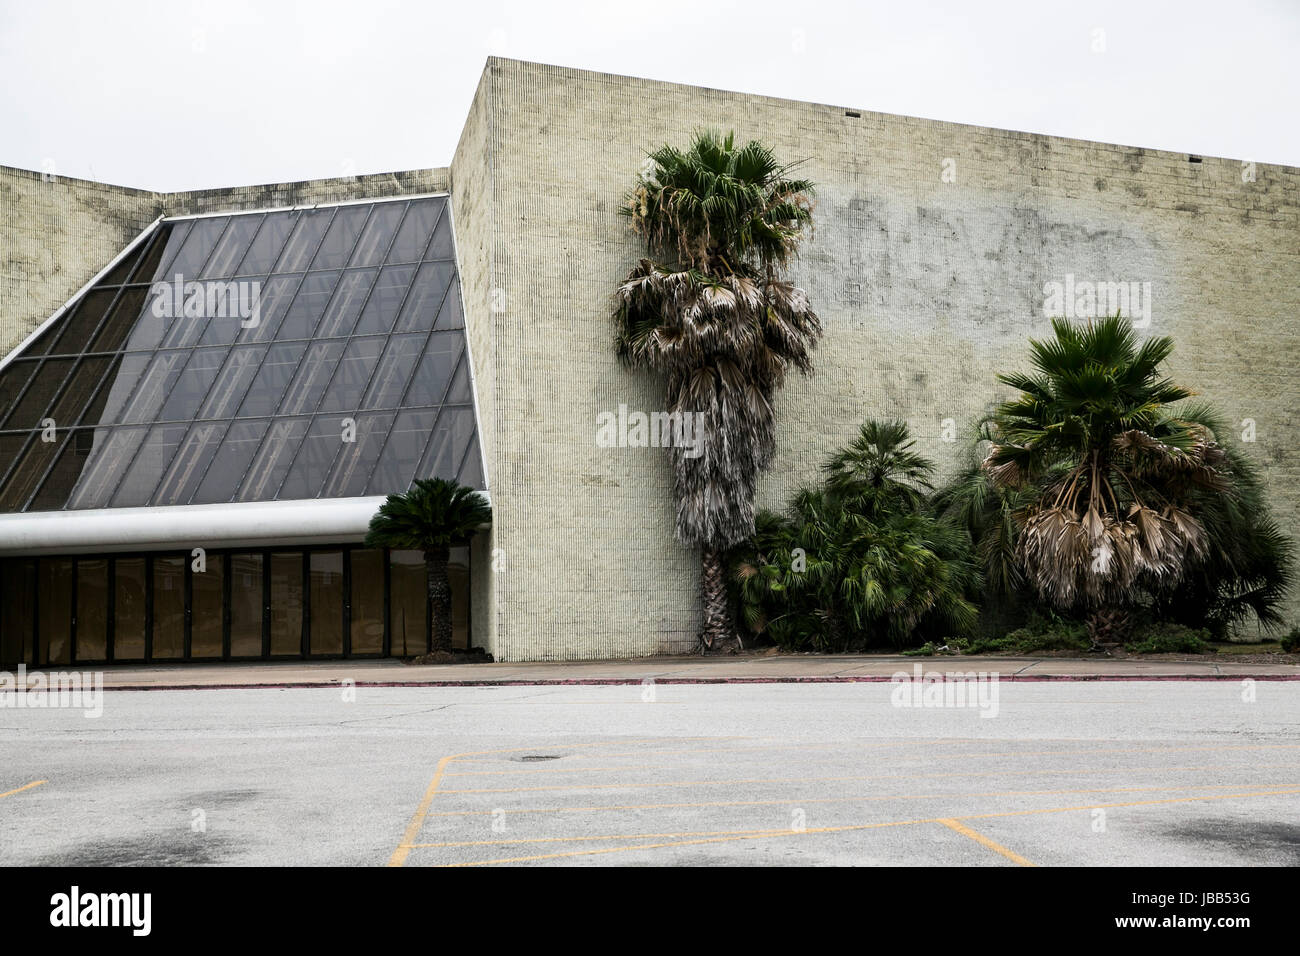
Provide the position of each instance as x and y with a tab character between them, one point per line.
92	609
230	250
245	605
277	369
45	384
425	299
128	609
394	371
227	469
54	597
273	459
112	334
385	299
326	602
193	385
437	364
152	321
413	237
452	313
313	375
409	604
378	234
13	379
151	461
81	324
17	611
367	601
313	295
152	258
122	271
471	473
168	607
402	453
266	246
274	299
112	452
206	608
458	578
449	442
441	246
67	410
306	237
198	245
356	460
286	603
177	233
460	392
239	309
353	375
342	236
232	383
193	459
154	387
315	456
341	315
113	393
67	470
27	473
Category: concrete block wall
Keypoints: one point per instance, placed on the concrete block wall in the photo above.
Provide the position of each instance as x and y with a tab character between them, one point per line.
926	289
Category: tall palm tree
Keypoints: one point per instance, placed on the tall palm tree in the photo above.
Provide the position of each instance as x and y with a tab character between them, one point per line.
711	314
432	516
1116	469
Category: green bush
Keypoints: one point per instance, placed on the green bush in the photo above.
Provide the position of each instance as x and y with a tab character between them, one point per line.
860	561
1291	641
1167	638
1041	633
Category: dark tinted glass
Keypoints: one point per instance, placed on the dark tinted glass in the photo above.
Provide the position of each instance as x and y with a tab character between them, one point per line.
233	382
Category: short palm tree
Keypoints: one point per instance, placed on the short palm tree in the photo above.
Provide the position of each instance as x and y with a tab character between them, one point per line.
876	564
431	517
1116	470
711	314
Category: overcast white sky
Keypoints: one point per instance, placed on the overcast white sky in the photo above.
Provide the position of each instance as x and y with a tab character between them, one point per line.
185	94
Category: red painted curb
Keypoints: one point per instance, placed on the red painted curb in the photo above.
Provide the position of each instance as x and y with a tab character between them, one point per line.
635	682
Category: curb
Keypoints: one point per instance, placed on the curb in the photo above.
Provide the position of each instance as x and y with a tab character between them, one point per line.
637	682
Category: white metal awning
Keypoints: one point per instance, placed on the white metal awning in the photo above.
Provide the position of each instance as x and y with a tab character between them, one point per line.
254	524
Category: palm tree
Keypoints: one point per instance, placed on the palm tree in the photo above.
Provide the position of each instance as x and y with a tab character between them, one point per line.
713	317
432	516
875	562
1116	470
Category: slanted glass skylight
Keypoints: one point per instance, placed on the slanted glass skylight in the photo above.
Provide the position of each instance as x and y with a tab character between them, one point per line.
316	353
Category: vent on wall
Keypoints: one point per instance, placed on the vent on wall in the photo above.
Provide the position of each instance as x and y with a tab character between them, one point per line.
854	113
1193	159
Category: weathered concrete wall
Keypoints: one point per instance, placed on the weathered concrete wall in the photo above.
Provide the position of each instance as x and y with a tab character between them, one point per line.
56	234
926	289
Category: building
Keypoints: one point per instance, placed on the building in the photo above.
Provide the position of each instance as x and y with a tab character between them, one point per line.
936	249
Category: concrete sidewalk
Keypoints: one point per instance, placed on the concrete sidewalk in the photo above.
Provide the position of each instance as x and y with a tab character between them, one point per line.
674	670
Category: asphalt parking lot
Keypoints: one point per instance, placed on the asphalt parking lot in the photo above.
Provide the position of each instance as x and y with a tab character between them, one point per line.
1065	773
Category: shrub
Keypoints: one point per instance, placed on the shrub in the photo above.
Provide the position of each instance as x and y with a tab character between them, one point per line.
1291	641
1041	633
1167	638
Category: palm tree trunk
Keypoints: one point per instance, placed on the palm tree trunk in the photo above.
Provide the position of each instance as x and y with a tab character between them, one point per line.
718	635
435	569
1108	625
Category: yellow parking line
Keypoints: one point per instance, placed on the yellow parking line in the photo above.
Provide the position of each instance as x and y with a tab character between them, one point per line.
584	839
26	786
871	826
984	841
